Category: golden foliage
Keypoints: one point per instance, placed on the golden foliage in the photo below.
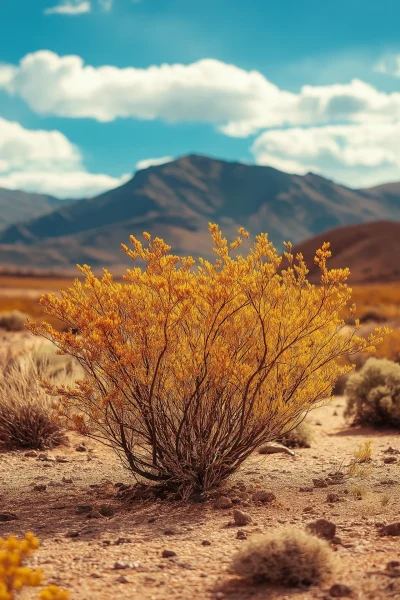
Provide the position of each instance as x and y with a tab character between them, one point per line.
189	367
14	575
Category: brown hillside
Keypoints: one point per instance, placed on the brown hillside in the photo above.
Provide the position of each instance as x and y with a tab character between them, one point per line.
371	251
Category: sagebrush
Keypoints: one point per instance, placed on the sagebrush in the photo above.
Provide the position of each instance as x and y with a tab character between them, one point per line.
191	366
288	557
374	393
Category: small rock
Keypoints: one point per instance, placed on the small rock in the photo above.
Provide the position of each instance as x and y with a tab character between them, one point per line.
393	568
170	531
96	575
392	450
119	565
337	540
332	498
61	459
122	540
168	553
199	498
388	460
236	500
67	480
264	497
274	448
340	590
80	448
223	502
393	529
7	516
320	483
322	528
31	454
122	579
72	534
206	543
306	489
241	535
241	518
40	488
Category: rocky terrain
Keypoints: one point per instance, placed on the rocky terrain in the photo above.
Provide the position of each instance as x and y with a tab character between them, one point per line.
99	545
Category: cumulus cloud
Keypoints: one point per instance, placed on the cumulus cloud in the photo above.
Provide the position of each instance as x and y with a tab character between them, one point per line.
389	65
64	184
239	102
46	161
152	162
69	8
356	154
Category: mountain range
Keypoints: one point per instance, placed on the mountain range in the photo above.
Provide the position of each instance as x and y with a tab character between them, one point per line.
18	206
176	201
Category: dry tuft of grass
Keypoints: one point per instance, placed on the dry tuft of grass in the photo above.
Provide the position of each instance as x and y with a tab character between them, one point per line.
288	557
13	320
27	414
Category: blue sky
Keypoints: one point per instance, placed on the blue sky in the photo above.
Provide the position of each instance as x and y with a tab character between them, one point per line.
90	90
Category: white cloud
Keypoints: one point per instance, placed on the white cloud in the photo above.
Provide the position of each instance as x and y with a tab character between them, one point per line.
389	65
239	102
21	148
356	154
69	8
152	162
64	184
46	161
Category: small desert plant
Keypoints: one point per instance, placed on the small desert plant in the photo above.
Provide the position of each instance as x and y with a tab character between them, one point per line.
374	394
13	320
289	557
27	417
299	437
360	465
189	367
14	575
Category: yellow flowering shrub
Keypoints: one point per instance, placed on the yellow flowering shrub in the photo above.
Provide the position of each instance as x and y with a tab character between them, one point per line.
15	575
189	365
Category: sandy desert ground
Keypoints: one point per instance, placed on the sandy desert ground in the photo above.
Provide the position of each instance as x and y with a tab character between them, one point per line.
59	495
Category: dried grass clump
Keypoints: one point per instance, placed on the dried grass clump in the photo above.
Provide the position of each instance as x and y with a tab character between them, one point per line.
287	557
13	320
27	414
374	394
299	437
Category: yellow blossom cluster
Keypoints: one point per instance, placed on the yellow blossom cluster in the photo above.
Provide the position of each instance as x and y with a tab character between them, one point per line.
15	575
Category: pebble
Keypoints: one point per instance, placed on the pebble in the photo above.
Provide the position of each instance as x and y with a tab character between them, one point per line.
168	553
122	579
320	483
388	460
206	543
7	516
223	502
264	497
332	498
40	488
393	529
241	535
340	590
31	454
80	448
119	565
322	528
241	518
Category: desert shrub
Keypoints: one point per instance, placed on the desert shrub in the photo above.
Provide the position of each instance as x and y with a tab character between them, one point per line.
14	575
289	557
27	415
374	393
299	437
190	367
13	320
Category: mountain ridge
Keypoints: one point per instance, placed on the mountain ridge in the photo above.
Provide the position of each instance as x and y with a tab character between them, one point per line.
176	201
